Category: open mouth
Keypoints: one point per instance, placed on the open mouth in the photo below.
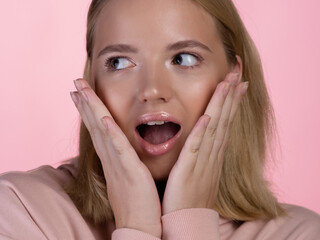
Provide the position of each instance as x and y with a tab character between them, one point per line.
157	132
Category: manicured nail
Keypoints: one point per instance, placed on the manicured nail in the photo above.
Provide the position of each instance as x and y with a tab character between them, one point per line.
244	87
84	96
74	97
226	89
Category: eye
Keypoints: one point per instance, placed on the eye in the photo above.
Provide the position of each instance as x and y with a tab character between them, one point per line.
187	59
117	63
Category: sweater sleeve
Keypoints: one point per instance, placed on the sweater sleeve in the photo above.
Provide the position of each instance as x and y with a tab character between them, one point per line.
184	224
191	224
15	220
131	234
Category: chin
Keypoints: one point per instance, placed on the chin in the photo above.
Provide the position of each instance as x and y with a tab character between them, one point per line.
160	176
160	166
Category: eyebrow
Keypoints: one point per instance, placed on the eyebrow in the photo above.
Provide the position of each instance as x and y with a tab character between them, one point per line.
171	47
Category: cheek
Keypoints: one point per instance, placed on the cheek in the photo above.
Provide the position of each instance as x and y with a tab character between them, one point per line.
196	100
200	95
116	99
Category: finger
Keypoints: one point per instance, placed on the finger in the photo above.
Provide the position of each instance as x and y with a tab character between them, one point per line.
80	83
219	96
93	110
94	126
93	100
78	103
239	93
97	135
115	144
235	80
119	146
217	167
102	140
190	150
214	110
221	129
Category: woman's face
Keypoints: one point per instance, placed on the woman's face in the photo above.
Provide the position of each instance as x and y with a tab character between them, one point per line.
158	74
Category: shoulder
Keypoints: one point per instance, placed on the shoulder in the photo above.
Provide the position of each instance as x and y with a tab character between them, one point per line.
36	187
34	203
301	218
42	176
299	223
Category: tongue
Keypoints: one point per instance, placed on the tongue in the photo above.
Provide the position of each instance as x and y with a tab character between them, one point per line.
157	134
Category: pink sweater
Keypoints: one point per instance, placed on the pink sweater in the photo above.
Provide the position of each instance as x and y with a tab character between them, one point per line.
33	205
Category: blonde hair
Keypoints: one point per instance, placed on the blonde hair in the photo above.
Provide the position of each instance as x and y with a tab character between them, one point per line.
244	192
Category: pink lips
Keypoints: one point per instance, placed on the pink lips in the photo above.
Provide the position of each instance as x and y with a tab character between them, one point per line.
161	148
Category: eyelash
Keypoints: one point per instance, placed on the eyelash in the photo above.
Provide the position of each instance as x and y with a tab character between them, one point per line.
111	69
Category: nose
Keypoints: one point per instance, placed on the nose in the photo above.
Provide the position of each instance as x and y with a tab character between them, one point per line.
155	85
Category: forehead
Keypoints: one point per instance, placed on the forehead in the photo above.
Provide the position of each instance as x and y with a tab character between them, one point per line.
153	22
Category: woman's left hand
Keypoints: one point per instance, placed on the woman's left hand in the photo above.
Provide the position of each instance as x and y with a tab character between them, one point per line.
194	179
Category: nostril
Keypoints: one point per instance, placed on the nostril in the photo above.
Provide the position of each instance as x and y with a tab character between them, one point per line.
154	93
161	99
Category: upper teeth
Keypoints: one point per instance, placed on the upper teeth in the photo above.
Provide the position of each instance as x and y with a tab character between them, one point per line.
156	122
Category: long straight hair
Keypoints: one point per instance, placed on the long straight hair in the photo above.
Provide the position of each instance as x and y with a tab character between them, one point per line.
244	192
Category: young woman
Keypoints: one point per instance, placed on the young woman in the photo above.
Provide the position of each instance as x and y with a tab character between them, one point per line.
176	121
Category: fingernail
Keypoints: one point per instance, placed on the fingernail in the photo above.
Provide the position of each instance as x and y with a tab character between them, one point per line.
104	122
207	120
235	79
226	89
77	84
244	87
84	96
74	97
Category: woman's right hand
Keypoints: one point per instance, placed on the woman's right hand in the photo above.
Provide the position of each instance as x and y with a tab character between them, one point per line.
131	189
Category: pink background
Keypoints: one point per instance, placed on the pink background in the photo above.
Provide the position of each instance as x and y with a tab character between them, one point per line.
43	49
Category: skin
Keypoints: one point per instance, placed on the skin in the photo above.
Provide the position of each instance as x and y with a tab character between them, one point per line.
152	83
204	98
